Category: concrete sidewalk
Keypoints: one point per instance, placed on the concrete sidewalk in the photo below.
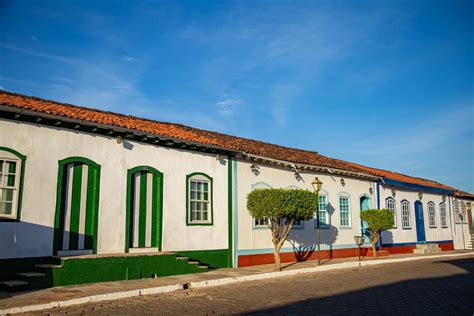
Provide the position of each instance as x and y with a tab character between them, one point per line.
80	294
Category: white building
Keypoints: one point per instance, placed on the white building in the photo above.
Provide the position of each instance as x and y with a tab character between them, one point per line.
77	181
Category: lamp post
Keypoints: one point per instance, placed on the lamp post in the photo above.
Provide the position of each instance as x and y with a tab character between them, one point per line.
359	241
317	184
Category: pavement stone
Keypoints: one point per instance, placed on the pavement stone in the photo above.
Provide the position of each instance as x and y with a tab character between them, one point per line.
432	286
78	292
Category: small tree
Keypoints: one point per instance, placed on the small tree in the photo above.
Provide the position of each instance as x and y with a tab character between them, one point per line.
281	208
378	221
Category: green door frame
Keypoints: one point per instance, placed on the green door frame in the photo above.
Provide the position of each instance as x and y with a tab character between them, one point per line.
92	206
157	206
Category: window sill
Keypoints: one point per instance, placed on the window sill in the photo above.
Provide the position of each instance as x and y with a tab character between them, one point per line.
260	228
345	227
199	224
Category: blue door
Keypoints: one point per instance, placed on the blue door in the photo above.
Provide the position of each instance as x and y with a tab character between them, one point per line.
420	223
365	205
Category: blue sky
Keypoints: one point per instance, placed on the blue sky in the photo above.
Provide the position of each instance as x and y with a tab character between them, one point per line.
389	84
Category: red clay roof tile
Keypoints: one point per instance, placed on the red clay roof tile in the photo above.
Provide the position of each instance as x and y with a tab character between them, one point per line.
186	133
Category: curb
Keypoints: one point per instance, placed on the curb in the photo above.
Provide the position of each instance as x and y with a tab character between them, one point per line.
208	283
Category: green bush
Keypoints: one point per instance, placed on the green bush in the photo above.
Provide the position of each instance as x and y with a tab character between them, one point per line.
281	208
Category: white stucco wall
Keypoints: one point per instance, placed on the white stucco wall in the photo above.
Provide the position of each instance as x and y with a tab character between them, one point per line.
250	239
460	229
400	235
45	146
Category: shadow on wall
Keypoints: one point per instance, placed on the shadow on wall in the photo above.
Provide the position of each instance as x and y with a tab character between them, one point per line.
52	271
304	241
386	238
24	246
390	298
23	239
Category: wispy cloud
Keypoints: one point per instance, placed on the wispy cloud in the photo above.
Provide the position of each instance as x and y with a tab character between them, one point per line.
275	57
411	145
282	100
35	53
33	83
436	130
228	106
110	86
62	79
128	59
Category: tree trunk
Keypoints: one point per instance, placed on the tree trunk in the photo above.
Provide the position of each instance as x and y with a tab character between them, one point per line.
276	253
280	231
374	237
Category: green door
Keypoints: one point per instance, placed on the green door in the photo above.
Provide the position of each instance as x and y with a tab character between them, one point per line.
144	209
77	207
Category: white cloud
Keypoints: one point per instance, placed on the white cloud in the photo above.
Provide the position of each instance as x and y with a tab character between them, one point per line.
228	106
33	83
128	59
111	86
67	80
282	100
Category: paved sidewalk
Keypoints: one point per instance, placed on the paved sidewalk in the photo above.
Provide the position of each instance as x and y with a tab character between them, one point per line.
72	295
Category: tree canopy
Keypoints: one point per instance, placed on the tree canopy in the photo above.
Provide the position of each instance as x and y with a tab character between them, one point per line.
281	204
378	221
281	207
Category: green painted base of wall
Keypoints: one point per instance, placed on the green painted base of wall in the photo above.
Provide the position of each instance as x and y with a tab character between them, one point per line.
213	258
73	271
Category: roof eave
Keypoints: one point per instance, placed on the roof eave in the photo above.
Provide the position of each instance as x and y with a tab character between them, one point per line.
308	167
23	112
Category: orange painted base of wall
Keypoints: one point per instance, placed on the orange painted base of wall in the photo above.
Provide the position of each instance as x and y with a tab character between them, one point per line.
396	250
447	247
409	249
380	253
267	258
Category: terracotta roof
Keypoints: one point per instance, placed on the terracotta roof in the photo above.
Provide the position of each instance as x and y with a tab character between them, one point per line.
190	134
402	177
463	194
176	131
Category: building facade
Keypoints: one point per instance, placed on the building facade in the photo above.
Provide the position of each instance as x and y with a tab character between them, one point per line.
77	182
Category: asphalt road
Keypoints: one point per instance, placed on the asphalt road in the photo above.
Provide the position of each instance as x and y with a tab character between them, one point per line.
432	286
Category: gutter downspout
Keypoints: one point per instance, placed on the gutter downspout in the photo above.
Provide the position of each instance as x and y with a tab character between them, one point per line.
378	193
453	230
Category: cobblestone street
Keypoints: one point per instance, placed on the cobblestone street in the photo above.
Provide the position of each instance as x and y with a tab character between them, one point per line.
432	286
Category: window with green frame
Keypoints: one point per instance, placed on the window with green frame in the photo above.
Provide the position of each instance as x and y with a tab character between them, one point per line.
323	213
344	211
11	178
199	199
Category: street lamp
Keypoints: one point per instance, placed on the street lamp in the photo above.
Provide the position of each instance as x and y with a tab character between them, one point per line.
359	241
317	184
